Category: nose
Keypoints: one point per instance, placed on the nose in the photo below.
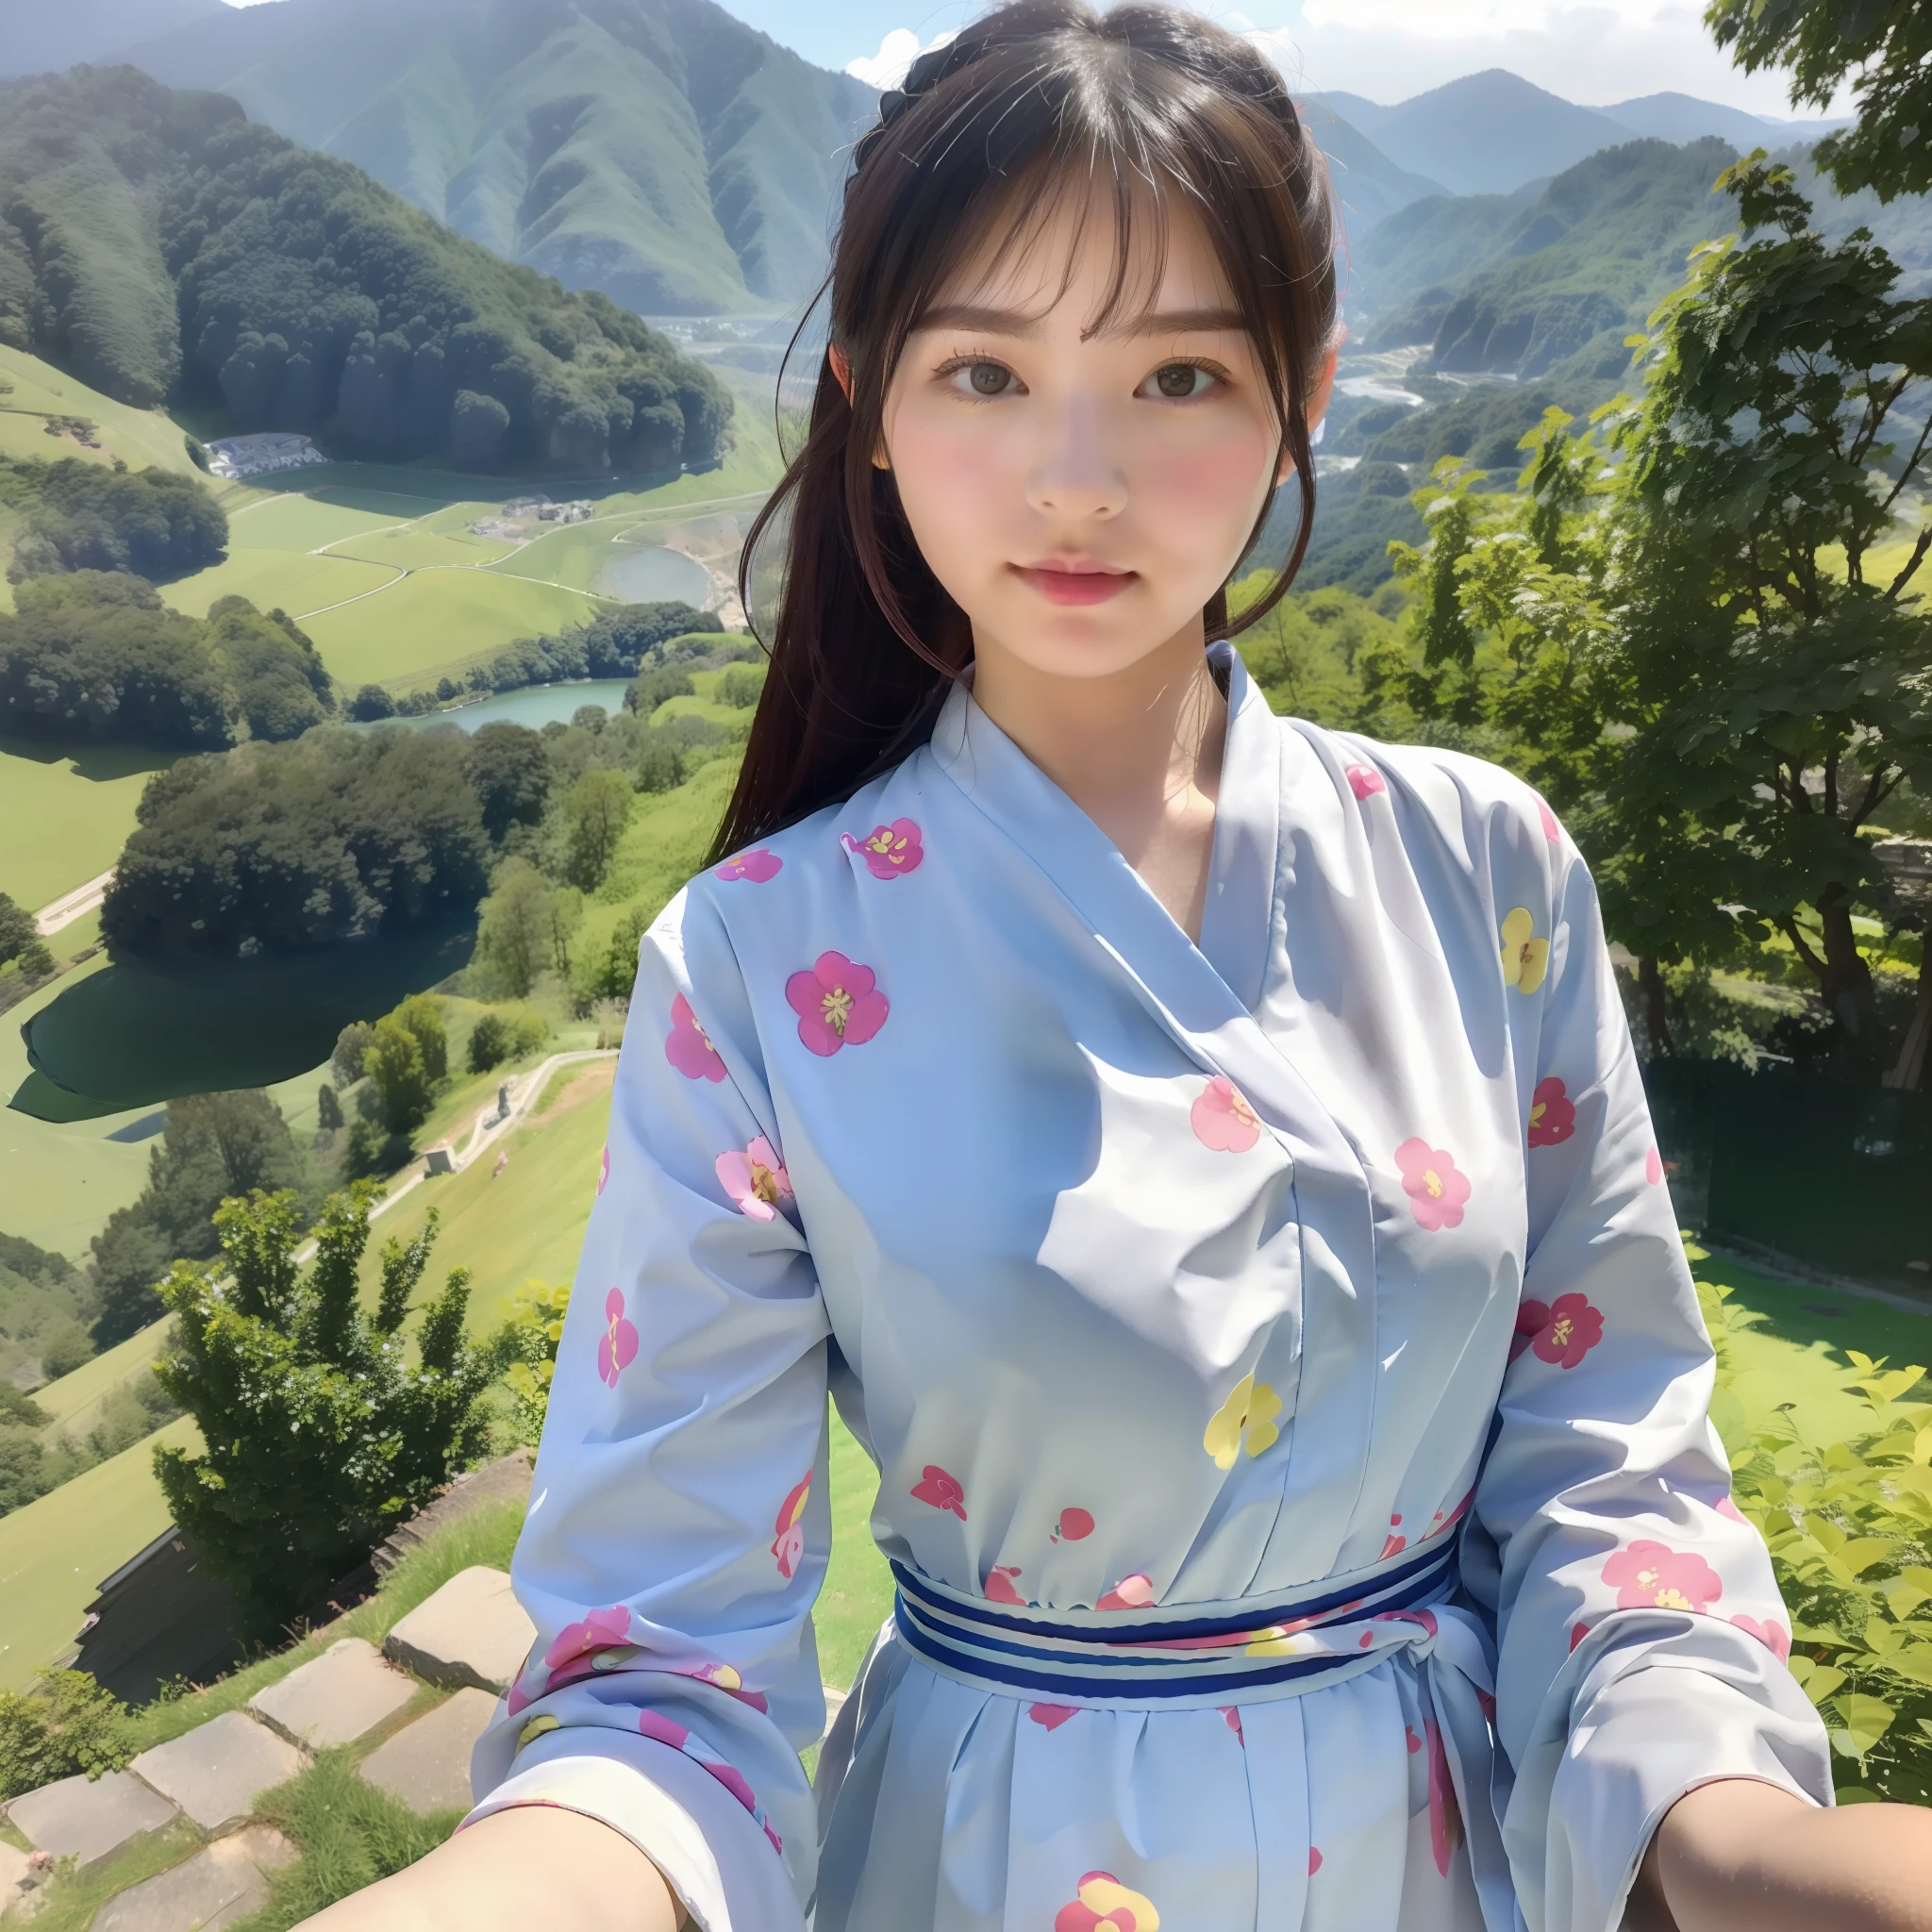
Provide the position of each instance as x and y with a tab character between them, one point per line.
1076	473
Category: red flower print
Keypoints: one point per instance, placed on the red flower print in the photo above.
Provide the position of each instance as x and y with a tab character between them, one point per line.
1436	1187
1445	1819
604	1169
1395	1544
1221	1119
1652	1576
888	850
1365	782
1578	1633
1574	1328
755	1179
999	1586
1074	1526
1415	1744
838	1004
1314	1861
757	865
1049	1717
1133	1592
788	1546
1552	830
940	1490
1438	1522
1653	1167
1770	1633
1532	1318
1234	1722
688	1046
1104	1905
617	1347
1552	1114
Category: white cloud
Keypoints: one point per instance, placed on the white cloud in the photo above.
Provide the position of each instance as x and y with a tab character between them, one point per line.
1592	53
897	52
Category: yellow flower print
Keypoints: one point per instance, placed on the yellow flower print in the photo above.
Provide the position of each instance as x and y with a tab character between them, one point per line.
1250	1407
1525	957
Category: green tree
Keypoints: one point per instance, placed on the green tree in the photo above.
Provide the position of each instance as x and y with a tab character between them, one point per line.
660	765
595	811
524	928
352	1043
422	1013
321	1433
741	685
525	1351
510	773
1882	48
396	1071
17	930
328	1109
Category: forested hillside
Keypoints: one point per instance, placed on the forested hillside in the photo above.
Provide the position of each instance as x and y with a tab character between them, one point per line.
161	246
658	150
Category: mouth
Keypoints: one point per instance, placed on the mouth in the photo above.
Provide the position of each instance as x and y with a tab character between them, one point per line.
1075	583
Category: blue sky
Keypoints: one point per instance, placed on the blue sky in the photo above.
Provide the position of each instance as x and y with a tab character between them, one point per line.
1592	51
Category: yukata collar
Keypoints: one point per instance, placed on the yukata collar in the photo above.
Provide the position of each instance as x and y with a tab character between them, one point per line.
1238	920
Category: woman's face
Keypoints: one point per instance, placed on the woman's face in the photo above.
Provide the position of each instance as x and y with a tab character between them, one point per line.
1082	496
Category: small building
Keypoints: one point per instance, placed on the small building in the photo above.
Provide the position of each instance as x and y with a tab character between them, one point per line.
239	457
162	1615
565	512
439	1161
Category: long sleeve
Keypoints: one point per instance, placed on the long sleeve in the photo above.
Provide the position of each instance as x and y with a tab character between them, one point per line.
1641	1639
679	1526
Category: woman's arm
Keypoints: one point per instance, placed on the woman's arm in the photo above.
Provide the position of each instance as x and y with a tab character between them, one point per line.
1739	1855
533	1866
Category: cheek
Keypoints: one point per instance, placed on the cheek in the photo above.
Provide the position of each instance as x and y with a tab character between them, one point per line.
1195	484
952	481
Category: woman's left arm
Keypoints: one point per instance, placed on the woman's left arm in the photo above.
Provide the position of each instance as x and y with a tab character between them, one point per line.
1641	1639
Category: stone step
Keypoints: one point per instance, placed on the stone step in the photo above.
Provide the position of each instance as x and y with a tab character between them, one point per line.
216	1772
334	1698
427	1764
220	1884
86	1818
472	1631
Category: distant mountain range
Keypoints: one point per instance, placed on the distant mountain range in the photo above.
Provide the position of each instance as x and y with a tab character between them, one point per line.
44	36
1491	133
658	150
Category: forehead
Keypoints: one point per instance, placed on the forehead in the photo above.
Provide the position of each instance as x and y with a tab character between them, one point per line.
1067	245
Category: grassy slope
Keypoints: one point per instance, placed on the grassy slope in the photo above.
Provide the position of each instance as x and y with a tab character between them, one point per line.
68	811
73	1405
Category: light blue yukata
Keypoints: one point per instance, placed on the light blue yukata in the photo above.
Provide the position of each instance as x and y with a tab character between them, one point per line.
1286	1382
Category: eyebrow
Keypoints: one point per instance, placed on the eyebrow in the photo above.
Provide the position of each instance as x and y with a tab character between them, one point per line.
1010	321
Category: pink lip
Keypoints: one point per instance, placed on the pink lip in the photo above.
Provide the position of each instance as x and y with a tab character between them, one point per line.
1088	585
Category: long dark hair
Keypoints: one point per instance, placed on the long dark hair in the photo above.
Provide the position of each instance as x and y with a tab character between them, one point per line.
866	642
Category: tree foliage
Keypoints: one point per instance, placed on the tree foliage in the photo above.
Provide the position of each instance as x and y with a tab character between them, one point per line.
322	1434
67	1726
167	245
524	1348
77	515
524	928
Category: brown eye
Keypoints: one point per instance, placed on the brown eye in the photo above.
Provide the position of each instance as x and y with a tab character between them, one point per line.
1176	381
989	378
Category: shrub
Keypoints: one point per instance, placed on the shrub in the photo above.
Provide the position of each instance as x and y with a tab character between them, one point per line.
661	767
370	703
523	1350
70	1727
488	1043
650	689
739	686
320	1436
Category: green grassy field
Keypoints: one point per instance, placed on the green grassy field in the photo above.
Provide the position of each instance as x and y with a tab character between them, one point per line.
73	1405
67	812
140	438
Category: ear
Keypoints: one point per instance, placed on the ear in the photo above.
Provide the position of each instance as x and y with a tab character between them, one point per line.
1319	398
842	368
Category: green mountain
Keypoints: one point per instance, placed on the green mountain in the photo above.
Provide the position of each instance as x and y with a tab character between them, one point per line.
658	150
1367	183
159	244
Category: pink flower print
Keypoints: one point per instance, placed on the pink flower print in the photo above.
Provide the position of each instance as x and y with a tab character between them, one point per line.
1104	1905
1222	1118
1532	1318
1445	1819
788	1546
1770	1633
600	1642
1234	1722
604	1169
1394	1544
1573	1329
757	865
726	1678
653	1724
755	1179
888	850
1049	1717
617	1347
1725	1507
1415	1744
999	1585
1552	1114
1652	1576
1552	830
1653	1167
688	1046
1314	1861
1074	1526
940	1490
1365	782
1436	1187
1135	1593
838	1004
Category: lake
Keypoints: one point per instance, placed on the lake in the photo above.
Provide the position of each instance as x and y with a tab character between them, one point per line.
649	574
535	704
150	1031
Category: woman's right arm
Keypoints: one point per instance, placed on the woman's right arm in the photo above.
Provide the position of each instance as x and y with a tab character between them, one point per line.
535	1865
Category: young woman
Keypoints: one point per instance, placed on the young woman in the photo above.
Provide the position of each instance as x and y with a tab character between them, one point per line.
1201	1154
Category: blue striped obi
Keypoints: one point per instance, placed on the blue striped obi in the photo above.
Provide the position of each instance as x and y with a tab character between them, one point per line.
1242	1649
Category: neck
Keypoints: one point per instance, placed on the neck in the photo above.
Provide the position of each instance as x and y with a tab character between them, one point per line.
1139	750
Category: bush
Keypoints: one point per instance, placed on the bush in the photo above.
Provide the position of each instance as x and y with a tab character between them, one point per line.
739	686
523	1352
352	1043
498	1037
321	1437
650	689
69	1727
36	961
661	767
370	703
